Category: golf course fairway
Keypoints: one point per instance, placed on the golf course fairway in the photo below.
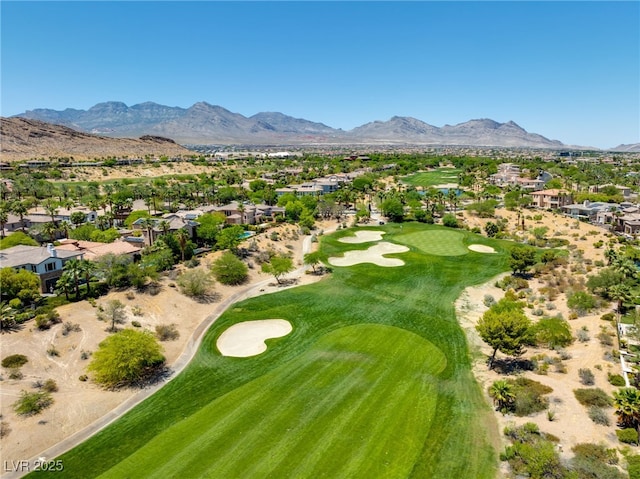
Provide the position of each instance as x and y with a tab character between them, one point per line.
374	380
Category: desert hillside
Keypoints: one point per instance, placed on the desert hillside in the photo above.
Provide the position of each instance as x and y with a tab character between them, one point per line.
24	139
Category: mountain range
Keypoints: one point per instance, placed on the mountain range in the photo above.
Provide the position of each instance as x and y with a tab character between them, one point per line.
23	139
203	123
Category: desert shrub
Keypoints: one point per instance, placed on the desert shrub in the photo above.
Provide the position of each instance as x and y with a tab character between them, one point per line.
595	461
513	282
50	386
228	269
15	373
586	377
33	403
42	322
605	338
581	302
196	283
583	335
529	396
488	300
4	429
450	221
616	380
533	454
633	466
137	310
628	435
136	324
85	354
167	332
608	317
599	416
83	378
52	351
14	361
69	327
593	397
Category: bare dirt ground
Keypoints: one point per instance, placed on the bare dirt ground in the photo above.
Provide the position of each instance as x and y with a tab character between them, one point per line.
78	404
571	422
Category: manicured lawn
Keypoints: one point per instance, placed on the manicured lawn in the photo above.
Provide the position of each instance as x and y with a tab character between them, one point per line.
439	176
441	242
358	389
355	382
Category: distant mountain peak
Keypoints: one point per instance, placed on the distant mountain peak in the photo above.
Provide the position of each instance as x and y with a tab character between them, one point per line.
204	123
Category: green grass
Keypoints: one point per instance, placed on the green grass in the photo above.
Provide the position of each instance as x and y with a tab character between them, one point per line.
357	389
439	176
444	242
355	382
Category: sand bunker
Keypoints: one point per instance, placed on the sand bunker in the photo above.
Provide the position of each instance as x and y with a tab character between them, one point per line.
372	255
364	236
480	248
247	338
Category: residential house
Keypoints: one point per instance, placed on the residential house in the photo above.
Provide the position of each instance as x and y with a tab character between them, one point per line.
94	250
551	199
595	212
46	261
64	214
168	224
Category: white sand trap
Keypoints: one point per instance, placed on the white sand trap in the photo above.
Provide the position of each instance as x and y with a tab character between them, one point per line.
371	255
247	338
364	236
480	248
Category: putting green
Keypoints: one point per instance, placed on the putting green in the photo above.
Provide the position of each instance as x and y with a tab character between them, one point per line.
365	394
436	242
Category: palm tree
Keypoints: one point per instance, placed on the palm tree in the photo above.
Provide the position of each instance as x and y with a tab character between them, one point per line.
148	224
65	284
4	217
20	209
502	393
87	270
50	229
626	267
182	236
74	268
51	208
627	403
619	292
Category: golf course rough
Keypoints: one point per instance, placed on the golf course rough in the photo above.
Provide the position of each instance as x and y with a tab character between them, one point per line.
374	380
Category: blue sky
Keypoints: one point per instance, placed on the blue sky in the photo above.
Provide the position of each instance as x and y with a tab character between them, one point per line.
567	70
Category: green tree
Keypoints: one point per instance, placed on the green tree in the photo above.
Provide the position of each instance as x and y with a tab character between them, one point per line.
74	268
230	238
553	332
126	358
77	217
491	229
504	329
229	269
21	284
279	265
393	209
114	312
314	258
521	258
209	227
449	220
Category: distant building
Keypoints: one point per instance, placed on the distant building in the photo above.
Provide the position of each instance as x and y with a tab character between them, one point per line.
551	199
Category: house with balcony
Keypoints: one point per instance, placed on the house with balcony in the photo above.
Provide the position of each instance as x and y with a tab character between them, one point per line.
551	199
45	261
